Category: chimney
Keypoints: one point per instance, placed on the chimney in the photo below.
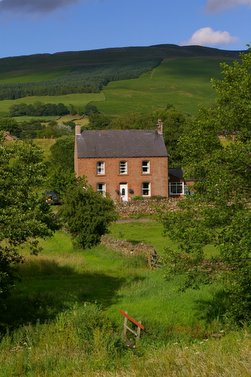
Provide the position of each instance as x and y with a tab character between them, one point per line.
159	127
77	130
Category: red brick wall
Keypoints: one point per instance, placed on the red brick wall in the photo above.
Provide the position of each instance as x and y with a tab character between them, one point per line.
158	177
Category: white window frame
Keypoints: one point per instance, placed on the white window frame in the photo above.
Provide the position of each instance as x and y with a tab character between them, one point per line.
123	168
100	168
101	188
146	190
176	188
145	167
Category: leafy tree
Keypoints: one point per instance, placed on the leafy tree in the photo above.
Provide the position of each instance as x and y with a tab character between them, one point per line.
232	110
90	109
219	213
61	165
98	121
86	213
23	215
11	126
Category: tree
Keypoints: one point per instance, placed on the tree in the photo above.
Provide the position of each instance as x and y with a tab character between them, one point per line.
61	165
233	94
87	214
11	126
219	213
90	109
23	215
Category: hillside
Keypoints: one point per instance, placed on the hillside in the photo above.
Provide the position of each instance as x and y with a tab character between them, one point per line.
166	74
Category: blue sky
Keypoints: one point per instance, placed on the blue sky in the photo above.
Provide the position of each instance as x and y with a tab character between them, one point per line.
47	26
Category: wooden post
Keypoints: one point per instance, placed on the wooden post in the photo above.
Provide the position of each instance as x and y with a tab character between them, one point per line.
125	327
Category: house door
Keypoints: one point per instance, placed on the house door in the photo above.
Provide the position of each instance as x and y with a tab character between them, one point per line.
123	191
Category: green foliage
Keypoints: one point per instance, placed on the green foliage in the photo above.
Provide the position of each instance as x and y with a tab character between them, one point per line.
38	109
10	126
87	213
62	153
99	121
233	96
61	165
219	213
90	109
23	216
34	129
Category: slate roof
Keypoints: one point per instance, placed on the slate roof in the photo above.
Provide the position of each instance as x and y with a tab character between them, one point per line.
120	143
176	172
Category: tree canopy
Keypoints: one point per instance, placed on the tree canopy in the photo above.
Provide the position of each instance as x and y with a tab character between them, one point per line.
23	215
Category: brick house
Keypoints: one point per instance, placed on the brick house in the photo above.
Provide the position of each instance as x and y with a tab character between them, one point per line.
123	163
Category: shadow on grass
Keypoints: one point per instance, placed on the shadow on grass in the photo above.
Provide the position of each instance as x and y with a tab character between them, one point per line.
213	309
47	288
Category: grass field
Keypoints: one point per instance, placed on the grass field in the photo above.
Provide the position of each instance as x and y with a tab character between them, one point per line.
67	322
185	83
77	100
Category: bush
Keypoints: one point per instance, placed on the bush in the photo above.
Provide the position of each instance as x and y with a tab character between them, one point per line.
87	213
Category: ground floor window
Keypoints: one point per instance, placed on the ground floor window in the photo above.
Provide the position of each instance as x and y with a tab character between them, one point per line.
176	188
146	189
101	187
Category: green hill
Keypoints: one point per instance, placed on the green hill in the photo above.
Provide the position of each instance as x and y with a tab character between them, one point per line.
132	78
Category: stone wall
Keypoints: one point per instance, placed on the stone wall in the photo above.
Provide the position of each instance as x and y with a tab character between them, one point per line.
132	249
146	207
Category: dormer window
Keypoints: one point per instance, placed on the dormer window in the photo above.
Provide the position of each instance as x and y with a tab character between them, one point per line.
123	167
100	168
145	167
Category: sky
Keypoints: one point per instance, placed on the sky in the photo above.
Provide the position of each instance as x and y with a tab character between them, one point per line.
49	26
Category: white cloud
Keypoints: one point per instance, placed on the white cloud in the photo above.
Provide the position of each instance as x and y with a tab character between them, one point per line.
208	37
216	5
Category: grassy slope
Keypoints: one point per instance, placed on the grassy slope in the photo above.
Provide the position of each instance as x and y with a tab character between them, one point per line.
55	286
183	82
182	79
